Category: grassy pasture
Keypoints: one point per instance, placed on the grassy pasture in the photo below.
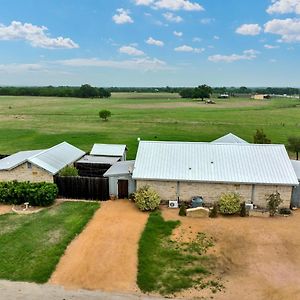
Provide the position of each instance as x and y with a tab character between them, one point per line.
40	122
31	245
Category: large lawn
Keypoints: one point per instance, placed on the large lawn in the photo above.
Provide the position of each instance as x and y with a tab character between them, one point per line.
38	122
31	245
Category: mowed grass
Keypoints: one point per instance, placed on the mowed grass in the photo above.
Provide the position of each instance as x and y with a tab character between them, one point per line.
31	245
167	266
39	122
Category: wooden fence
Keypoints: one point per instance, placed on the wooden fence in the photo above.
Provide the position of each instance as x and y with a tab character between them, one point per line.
89	188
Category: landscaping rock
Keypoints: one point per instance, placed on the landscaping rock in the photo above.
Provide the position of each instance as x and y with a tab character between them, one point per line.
199	212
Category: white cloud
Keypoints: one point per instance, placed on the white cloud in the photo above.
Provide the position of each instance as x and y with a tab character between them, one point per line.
284	7
178	33
178	5
206	21
171	4
185	48
216	37
35	35
247	55
145	64
122	16
172	18
143	2
20	68
267	46
249	29
152	41
131	50
288	29
197	39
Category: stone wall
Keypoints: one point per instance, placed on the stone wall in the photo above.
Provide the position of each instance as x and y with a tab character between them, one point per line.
171	190
24	173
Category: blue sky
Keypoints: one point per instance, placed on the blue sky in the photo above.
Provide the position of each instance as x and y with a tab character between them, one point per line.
150	42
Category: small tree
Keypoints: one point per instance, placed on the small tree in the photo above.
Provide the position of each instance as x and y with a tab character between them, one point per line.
213	213
260	137
68	171
273	202
182	210
294	145
147	199
104	114
243	210
230	203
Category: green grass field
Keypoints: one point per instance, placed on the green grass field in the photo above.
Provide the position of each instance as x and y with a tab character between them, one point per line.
31	245
35	123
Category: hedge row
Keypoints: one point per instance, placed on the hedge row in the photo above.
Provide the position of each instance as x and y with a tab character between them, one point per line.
37	194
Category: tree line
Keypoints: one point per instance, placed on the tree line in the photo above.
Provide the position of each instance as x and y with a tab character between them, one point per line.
84	91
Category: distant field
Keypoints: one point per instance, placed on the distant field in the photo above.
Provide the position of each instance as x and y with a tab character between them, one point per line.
38	122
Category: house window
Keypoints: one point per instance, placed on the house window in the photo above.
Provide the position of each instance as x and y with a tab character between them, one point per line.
29	165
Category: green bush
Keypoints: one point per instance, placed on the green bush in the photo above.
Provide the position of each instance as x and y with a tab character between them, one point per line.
182	210
213	213
147	199
68	171
37	194
243	210
273	202
104	114
230	203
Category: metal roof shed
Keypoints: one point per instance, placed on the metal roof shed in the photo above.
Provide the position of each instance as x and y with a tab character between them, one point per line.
229	138
109	150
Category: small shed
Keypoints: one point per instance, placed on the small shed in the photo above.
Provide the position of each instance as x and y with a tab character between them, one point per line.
296	190
95	166
261	97
121	183
112	150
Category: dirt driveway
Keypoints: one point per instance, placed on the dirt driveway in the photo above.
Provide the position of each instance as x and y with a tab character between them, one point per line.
104	256
259	258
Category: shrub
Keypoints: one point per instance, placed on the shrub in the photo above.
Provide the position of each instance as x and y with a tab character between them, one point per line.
104	114
273	202
213	213
147	199
182	210
68	171
37	194
243	210
285	211
229	204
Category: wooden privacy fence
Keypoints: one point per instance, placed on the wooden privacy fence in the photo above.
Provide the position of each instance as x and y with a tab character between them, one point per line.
89	188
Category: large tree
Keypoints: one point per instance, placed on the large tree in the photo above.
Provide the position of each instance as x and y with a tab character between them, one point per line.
260	137
202	91
294	145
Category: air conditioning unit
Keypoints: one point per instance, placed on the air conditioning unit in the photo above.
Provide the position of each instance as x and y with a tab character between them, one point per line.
173	204
249	206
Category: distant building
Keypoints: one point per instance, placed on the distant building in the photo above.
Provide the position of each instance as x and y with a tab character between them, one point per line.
223	96
261	97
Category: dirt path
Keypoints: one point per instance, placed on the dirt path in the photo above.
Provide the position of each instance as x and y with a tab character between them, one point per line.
4	209
104	256
258	258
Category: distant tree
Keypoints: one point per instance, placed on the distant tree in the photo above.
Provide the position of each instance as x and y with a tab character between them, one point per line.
87	91
202	91
260	137
187	93
104	114
294	145
103	93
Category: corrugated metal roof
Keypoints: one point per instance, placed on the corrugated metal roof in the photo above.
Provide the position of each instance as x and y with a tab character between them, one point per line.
120	168
296	166
90	159
108	150
17	159
229	138
56	158
210	162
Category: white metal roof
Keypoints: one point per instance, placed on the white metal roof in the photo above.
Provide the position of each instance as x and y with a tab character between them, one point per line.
296	166
120	168
229	138
56	158
90	159
108	150
17	159
210	162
